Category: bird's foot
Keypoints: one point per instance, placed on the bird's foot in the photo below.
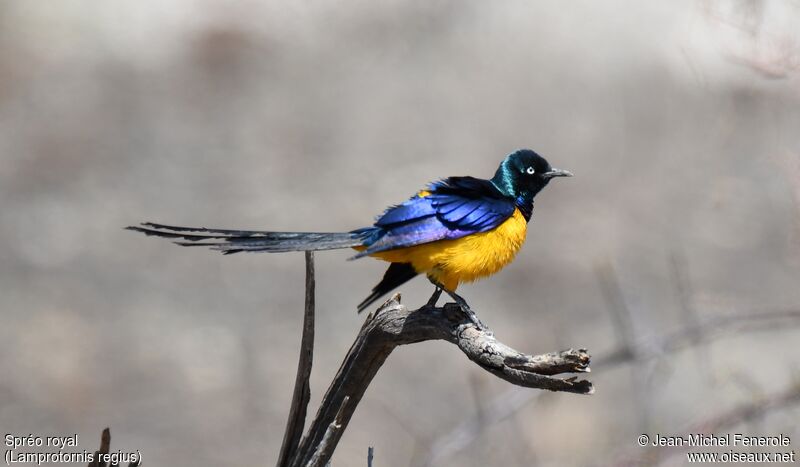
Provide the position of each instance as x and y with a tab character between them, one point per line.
473	317
465	308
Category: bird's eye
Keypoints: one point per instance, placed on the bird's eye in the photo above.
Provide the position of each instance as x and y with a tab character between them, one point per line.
530	170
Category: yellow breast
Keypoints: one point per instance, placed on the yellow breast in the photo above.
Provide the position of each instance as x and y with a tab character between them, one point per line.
465	259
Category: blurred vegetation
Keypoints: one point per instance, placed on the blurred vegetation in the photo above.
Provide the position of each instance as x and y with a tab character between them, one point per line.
679	120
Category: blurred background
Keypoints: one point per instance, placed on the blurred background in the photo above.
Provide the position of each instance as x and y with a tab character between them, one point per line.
679	119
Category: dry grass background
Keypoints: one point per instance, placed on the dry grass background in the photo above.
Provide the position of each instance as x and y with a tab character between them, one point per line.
679	119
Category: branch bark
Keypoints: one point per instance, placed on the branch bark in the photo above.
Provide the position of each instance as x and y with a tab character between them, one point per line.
302	388
393	325
105	448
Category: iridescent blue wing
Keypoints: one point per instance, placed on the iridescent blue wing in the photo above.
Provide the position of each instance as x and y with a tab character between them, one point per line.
455	207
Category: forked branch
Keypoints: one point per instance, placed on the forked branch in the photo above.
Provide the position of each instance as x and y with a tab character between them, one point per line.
393	325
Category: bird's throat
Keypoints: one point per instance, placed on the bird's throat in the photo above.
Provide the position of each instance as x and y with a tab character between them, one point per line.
524	203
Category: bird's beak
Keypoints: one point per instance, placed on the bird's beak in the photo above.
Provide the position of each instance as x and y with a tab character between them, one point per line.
554	172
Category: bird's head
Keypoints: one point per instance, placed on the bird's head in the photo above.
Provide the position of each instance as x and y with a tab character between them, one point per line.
524	173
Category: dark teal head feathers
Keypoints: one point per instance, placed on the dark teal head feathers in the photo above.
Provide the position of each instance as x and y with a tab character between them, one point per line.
524	173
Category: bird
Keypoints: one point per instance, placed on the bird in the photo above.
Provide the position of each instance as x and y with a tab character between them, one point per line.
455	230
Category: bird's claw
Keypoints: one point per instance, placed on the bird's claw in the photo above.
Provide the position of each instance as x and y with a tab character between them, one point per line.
473	317
460	302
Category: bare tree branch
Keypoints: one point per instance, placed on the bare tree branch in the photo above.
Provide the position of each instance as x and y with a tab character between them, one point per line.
645	348
393	325
302	388
105	448
324	450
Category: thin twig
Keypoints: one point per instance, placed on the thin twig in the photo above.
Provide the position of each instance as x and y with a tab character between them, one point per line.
105	448
302	388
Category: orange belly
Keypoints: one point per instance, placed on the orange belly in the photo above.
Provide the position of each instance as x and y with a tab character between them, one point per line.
451	262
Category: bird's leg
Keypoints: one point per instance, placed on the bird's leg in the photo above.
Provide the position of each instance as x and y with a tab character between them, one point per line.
459	301
435	297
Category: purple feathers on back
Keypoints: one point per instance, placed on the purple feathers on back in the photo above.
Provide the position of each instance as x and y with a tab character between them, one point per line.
456	207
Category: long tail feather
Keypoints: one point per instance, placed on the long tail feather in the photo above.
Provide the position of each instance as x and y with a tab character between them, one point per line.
234	241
